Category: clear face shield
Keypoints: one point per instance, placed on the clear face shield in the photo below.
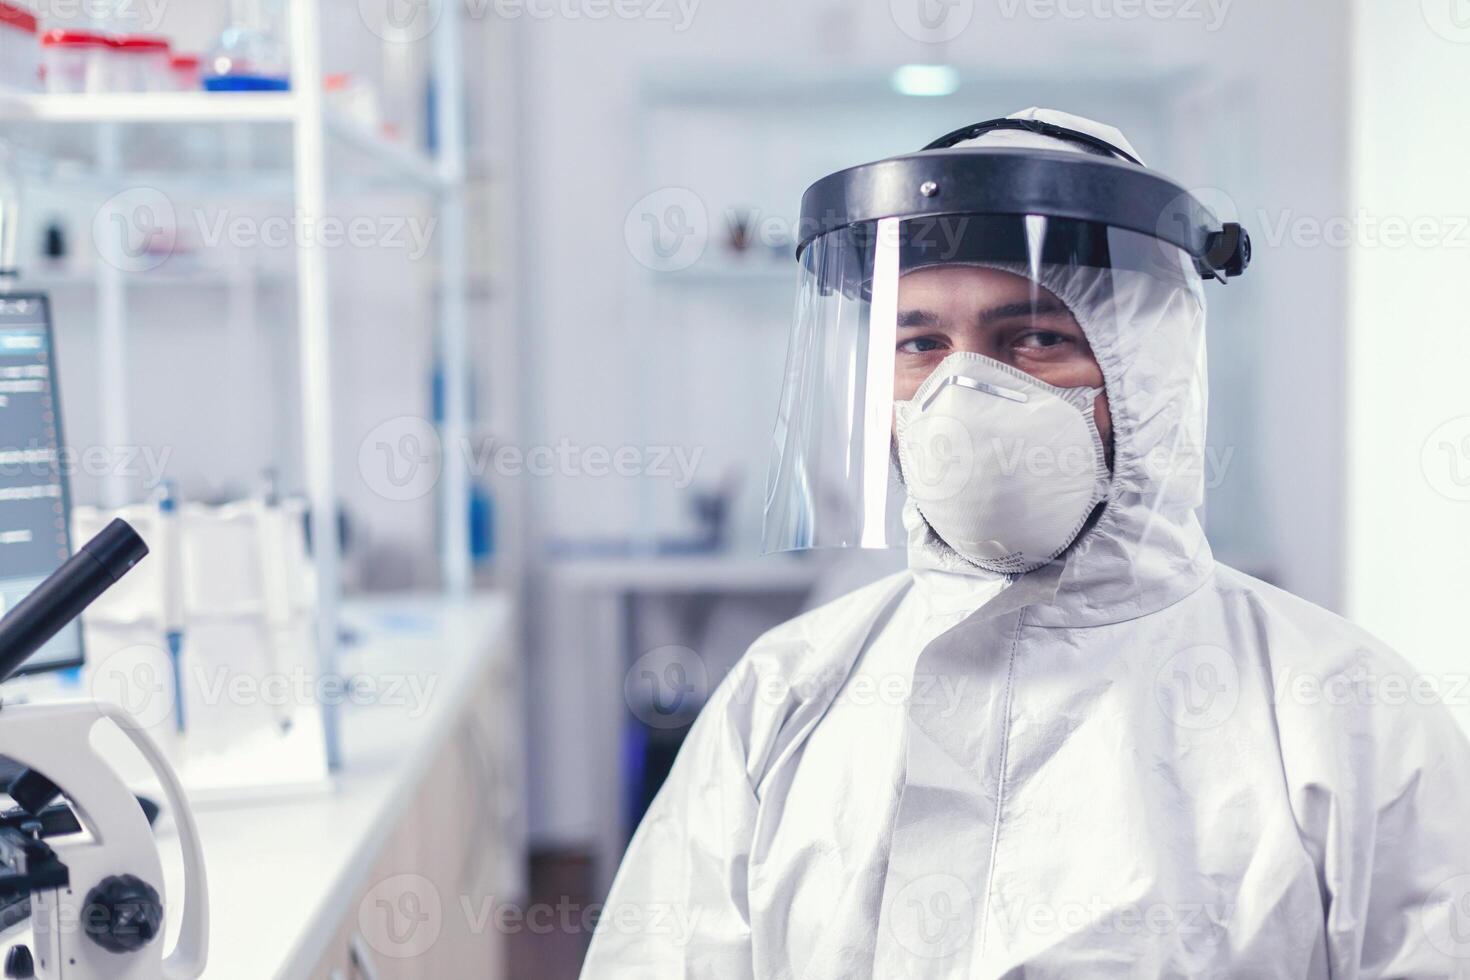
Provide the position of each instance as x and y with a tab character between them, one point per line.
951	359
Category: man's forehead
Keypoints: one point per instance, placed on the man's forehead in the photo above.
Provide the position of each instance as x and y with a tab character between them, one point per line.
969	277
998	296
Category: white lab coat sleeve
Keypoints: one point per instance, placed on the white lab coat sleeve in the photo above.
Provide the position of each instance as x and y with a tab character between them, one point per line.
1388	827
678	906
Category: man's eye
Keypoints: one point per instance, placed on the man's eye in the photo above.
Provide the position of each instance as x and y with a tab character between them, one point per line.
1042	338
919	345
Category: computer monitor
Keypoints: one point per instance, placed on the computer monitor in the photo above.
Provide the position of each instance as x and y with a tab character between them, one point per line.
35	501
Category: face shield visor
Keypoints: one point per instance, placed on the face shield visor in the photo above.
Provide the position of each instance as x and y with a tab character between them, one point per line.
994	270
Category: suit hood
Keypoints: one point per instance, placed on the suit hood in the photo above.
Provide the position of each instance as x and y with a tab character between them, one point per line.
1144	318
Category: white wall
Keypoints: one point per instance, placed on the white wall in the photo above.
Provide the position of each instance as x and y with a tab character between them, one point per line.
1408	570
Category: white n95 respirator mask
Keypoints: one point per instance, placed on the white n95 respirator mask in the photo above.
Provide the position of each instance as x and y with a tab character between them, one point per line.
1004	467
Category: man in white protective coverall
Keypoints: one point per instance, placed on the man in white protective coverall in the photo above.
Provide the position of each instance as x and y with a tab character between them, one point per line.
1065	742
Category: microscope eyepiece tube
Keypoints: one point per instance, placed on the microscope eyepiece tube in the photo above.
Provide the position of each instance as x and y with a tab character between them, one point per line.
94	569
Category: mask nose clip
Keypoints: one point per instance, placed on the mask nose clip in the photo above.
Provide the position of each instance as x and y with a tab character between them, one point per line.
985	387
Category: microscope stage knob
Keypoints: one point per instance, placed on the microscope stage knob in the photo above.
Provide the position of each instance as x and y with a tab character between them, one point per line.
18	963
123	913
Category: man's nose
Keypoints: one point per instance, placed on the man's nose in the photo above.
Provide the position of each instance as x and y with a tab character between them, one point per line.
978	345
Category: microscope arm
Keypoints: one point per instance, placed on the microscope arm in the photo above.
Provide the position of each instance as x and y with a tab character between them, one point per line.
190	951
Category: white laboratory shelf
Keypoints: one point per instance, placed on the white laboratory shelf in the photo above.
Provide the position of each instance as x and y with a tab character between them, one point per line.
392	157
161	278
160	107
193	139
295	146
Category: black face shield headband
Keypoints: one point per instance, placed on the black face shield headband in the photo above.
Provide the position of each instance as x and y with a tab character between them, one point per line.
1103	188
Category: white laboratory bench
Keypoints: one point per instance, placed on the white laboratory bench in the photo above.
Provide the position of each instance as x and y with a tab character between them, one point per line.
425	819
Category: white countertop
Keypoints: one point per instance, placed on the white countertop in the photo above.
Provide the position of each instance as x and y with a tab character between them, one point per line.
281	873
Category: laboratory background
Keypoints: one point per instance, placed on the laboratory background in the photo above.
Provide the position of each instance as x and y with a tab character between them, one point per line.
434	347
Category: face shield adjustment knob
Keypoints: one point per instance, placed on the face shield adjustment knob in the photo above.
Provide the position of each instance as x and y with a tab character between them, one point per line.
1229	252
928	188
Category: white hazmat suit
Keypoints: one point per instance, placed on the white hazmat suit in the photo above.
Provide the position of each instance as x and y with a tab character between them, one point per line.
1134	762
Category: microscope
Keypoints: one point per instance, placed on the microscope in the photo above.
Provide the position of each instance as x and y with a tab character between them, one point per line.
77	841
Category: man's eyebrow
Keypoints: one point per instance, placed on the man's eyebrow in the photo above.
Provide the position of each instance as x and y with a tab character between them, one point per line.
917	318
1036	307
1006	311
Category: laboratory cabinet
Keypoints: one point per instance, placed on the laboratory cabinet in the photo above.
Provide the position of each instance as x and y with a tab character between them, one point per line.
447	863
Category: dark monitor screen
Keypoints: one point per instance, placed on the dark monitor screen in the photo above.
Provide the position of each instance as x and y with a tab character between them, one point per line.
35	536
